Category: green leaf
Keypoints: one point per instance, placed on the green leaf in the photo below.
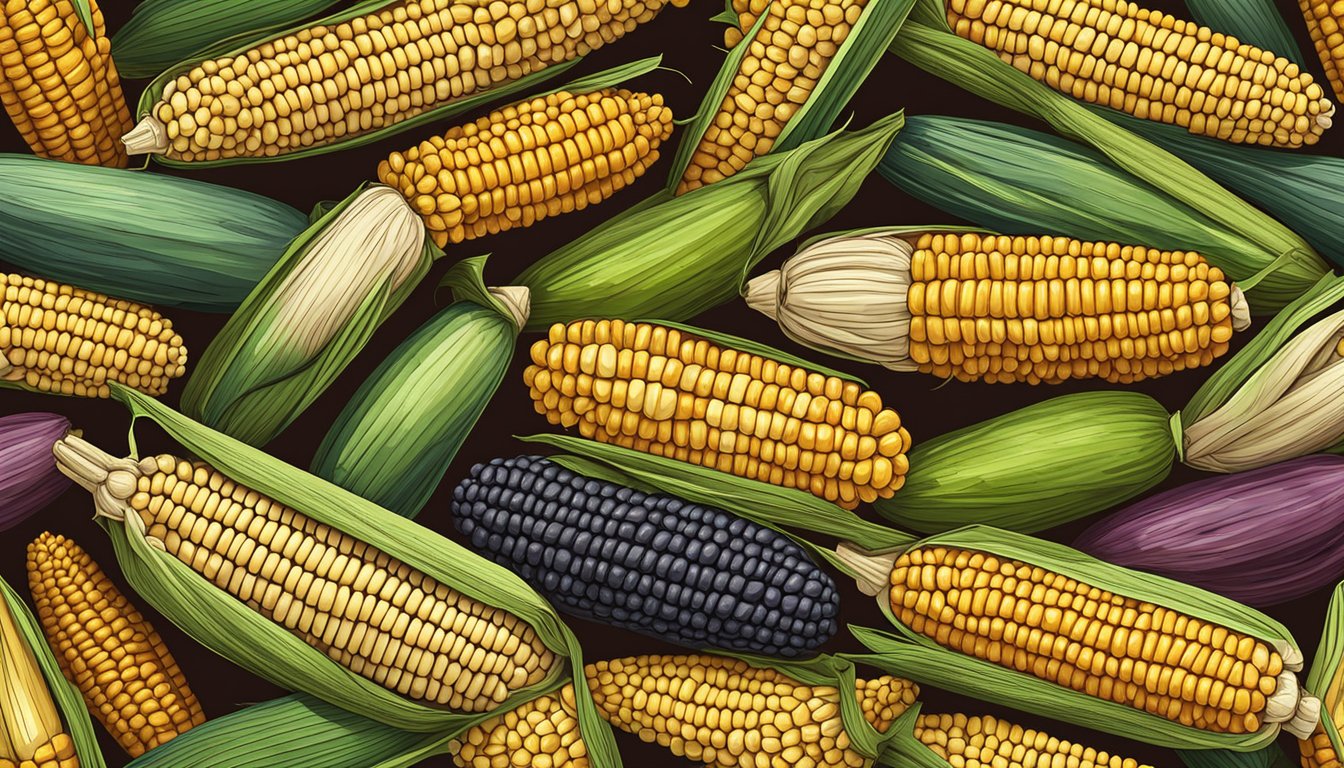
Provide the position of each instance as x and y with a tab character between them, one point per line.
1257	22
1271	756
85	13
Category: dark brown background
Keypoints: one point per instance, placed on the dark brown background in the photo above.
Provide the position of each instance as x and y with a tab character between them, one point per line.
687	40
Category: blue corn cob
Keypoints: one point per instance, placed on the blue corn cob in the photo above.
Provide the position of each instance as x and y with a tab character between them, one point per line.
659	565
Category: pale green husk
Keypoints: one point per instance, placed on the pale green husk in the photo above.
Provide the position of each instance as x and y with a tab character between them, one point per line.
231	629
915	656
69	701
1325	666
1251	21
144	237
675	257
1038	466
396	437
296	731
161	33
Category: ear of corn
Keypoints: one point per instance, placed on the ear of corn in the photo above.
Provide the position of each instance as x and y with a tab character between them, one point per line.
106	229
678	394
375	69
1323	22
1031	624
984	741
1257	22
673	258
983	307
30	481
58	82
1323	747
129	679
64	340
43	723
501	617
161	33
394	440
543	732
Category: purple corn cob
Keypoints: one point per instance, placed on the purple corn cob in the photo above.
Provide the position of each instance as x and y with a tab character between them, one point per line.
29	479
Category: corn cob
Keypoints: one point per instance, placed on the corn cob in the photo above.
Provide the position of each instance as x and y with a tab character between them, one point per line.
65	340
987	742
129	679
368	611
1318	752
726	713
669	393
1004	309
335	81
686	573
58	82
543	733
543	157
1152	66
1323	22
31	732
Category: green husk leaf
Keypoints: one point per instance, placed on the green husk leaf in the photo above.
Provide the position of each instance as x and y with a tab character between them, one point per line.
85	13
675	257
599	471
296	731
394	440
1271	756
253	380
69	701
231	629
106	229
913	655
1257	22
769	505
755	348
928	44
1036	467
1326	668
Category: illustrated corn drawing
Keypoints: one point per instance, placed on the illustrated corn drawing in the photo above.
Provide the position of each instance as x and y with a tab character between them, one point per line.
683	395
31	732
1323	22
368	611
58	82
1151	65
64	340
543	733
543	157
351	76
1322	748
988	742
129	679
1002	309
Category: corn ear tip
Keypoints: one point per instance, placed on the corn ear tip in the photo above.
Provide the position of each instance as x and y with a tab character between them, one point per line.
148	137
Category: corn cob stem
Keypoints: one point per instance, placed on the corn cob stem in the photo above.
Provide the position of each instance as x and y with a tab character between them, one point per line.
31	732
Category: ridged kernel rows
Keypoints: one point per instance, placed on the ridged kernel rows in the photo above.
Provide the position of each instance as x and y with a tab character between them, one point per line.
542	733
1323	22
987	742
1318	752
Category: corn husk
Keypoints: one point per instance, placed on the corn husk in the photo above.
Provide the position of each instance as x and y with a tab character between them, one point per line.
1326	676
1283	265
231	629
20	636
394	440
28	477
1257	22
161	33
675	257
145	237
913	655
1271	756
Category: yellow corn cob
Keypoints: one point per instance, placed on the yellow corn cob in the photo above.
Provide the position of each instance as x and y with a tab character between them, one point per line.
785	61
1151	65
31	733
1069	633
129	679
727	713
987	742
59	84
542	733
1323	21
1318	752
61	339
330	82
543	157
661	391
1004	309
368	611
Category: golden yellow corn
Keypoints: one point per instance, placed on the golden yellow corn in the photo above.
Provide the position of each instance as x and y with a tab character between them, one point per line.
1153	66
1318	752
988	742
129	679
669	393
58	82
329	82
541	733
726	713
782	66
31	732
1106	645
543	157
65	340
1003	309
368	611
1323	22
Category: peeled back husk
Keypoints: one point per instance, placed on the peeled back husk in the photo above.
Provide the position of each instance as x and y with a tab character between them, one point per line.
29	480
1257	22
1038	466
396	437
1326	680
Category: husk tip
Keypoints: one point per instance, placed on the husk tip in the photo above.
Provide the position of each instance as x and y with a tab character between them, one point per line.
762	294
148	137
517	299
